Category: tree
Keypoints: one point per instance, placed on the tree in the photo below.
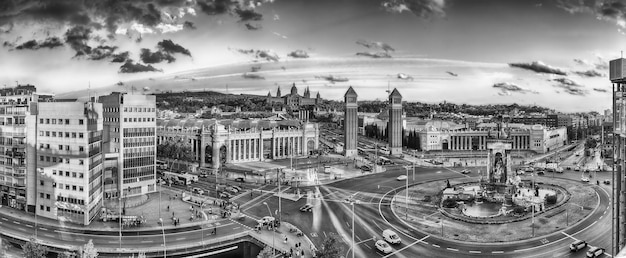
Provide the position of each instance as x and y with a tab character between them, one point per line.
33	249
4	246
88	250
330	248
68	254
267	252
141	255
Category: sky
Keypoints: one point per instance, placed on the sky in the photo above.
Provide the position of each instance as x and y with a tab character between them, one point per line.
553	53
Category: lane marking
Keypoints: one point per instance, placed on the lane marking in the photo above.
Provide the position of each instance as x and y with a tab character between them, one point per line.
452	249
568	235
181	238
146	241
497	252
30	226
5	219
17	222
436	245
400	250
44	229
475	252
112	242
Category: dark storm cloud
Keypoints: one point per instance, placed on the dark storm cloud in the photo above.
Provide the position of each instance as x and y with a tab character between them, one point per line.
171	48
375	45
101	52
299	54
130	67
216	7
374	54
508	87
50	43
253	26
590	73
189	25
77	37
248	15
258	54
570	87
120	57
420	8
149	57
538	67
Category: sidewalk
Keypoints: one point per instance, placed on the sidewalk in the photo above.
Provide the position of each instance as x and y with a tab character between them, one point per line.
277	239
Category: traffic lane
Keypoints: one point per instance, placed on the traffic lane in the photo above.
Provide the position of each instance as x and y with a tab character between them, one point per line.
544	245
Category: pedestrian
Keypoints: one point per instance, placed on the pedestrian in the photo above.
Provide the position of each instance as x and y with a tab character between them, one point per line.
172	214
302	252
290	251
285	240
214	230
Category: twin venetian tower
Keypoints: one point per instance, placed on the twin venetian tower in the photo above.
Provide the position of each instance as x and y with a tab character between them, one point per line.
351	123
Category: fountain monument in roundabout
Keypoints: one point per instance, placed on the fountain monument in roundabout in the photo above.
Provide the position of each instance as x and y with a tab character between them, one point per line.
500	195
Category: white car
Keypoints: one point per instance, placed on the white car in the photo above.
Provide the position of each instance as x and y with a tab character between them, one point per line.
401	178
584	179
266	220
382	246
391	237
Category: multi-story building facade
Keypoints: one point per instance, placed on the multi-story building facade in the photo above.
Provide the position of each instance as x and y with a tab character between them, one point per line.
69	160
351	123
395	123
535	138
130	132
216	142
18	181
617	76
293	99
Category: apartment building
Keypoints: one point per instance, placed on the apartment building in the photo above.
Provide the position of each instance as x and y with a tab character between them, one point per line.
69	160
130	139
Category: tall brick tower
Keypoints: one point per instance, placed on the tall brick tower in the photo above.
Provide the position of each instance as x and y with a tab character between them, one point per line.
350	124
395	123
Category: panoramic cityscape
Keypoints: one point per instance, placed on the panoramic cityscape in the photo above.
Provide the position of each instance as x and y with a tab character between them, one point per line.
294	128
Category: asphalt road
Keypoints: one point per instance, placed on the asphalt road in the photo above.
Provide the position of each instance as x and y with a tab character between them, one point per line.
372	219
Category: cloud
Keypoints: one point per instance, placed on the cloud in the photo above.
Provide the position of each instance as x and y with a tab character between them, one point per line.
77	37
276	17
420	8
170	47
507	88
299	54
216	7
602	66
375	45
600	90
130	67
149	57
8	44
50	43
279	35
539	67
590	73
120	57
189	25
252	76
101	52
268	55
248	15
580	61
570	86
253	26
608	10
374	54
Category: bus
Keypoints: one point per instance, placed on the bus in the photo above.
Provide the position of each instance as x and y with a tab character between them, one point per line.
384	161
161	164
177	178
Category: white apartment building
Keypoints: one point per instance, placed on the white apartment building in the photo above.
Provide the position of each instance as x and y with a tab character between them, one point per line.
69	160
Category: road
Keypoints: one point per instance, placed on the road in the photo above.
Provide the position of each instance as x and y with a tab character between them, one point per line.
372	219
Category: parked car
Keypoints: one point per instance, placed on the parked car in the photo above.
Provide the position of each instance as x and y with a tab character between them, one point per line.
401	178
465	171
307	207
226	195
540	172
232	189
520	172
391	237
577	168
595	252
366	168
198	191
577	245
240	179
237	187
382	246
559	170
607	182
584	179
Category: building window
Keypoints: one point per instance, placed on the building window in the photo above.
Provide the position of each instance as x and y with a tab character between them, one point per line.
73	188
67	147
80	175
60	147
67	187
54	134
67	173
47	121
81	162
54	121
67	135
81	148
40	182
40	158
60	134
80	135
81	121
48	196
73	174
54	172
73	135
40	133
67	121
80	188
41	120
40	195
47	133
41	207
48	208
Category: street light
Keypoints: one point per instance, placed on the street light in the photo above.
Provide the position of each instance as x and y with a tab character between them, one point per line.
567	214
270	211
163	231
407	192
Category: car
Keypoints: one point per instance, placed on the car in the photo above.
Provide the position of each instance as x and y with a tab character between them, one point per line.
226	195
232	189
559	170
540	172
382	246
577	168
520	172
577	245
366	168
240	179
568	168
584	179
307	207
401	178
391	237
595	252
198	191
607	182
237	187
465	171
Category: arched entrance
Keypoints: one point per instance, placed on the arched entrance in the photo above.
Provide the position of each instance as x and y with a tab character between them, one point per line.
208	154
444	144
223	155
310	145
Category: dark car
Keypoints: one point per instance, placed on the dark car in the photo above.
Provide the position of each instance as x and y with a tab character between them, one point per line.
540	172
607	182
307	207
240	179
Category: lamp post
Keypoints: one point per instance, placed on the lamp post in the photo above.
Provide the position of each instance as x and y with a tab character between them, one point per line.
163	232
352	203
278	170
270	211
407	192
567	214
